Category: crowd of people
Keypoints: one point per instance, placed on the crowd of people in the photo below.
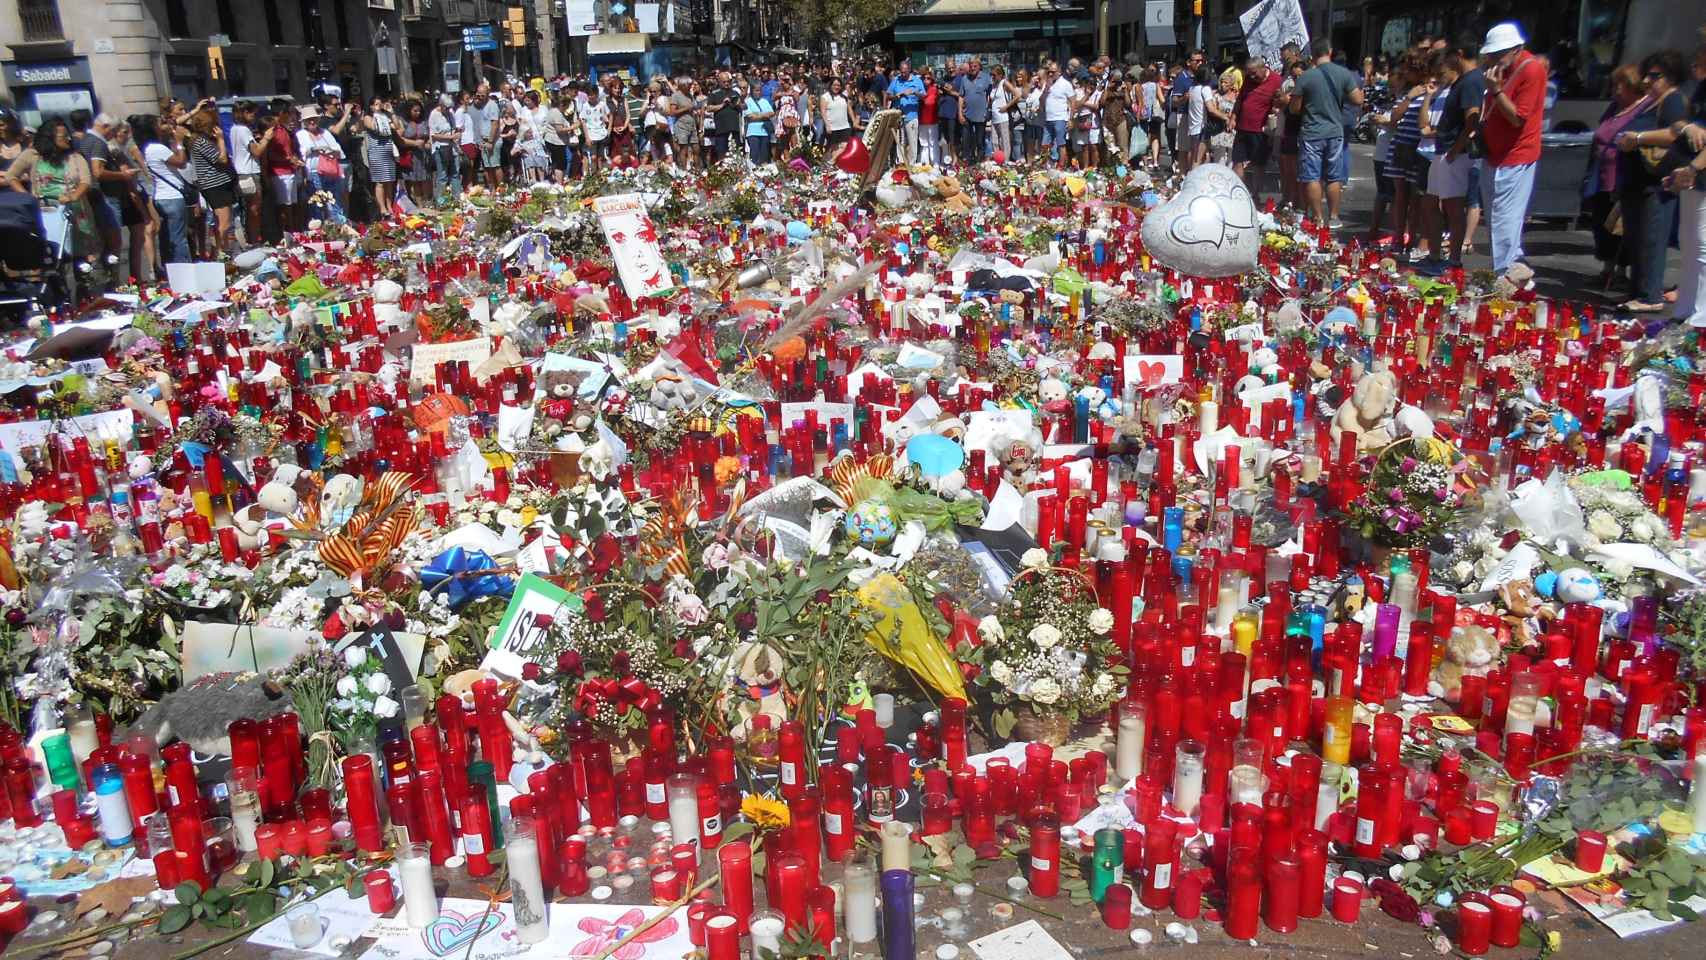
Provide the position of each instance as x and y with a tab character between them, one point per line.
1456	127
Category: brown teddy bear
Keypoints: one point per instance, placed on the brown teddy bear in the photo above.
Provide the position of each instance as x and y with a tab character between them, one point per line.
562	398
953	195
1470	649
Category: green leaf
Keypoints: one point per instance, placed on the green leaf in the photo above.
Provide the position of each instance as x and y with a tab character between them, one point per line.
269	871
188	893
175	918
259	906
964	856
1004	721
737	831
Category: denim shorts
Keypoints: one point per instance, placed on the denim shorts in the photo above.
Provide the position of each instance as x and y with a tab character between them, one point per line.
1324	161
1054	132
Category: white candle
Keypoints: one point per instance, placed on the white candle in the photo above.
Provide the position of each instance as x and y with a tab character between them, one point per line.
420	900
1327	795
883	703
897	846
1209	414
766	930
1697	793
683	789
240	787
1128	746
526	882
84	739
1187	776
305	930
859	906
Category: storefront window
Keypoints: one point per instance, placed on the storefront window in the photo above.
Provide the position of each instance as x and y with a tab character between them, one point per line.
189	82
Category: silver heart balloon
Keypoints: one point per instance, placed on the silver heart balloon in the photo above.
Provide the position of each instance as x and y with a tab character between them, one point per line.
1206	229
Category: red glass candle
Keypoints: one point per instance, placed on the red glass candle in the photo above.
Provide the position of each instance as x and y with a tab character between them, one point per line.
1347	900
1474	925
269	841
1590	851
319	838
722	936
381	894
790	871
181	790
1243	894
1483	819
1158	859
1116	907
1507	906
362	803
791	759
1312	862
1045	856
734	862
1281	904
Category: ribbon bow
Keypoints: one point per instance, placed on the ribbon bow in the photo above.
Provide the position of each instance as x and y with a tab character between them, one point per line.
458	572
629	691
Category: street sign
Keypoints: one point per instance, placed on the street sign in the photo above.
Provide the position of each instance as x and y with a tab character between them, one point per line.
473	34
479	44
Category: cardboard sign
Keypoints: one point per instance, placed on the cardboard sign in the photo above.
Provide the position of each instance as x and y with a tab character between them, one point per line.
428	356
237	648
633	243
474	930
523	635
98	427
1148	372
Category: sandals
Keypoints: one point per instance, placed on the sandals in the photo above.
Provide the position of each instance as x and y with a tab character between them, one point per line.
1641	306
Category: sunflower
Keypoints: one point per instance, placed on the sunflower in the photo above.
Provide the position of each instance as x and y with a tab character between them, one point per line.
763	812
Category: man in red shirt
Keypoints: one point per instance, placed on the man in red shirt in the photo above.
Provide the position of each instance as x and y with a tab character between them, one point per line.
1250	145
1511	121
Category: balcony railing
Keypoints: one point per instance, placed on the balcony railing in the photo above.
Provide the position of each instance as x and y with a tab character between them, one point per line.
40	20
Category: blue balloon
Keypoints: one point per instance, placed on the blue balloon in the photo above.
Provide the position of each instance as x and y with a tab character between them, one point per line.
902	248
797	230
1120	171
935	455
1150	199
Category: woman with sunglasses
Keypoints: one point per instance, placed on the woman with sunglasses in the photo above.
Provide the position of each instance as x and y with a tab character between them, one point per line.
1649	208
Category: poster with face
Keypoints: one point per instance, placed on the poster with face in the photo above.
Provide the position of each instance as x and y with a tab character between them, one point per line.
633	242
1270	25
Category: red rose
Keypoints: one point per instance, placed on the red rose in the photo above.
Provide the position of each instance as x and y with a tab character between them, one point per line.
543	621
569	663
620	663
530	671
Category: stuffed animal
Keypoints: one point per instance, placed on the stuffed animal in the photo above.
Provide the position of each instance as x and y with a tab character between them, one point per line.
277	497
1525	613
562	398
1018	450
1052	392
953	195
1366	413
670	392
1470	649
758	677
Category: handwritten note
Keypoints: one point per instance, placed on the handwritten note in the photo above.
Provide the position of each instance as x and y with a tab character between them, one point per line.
1148	372
428	356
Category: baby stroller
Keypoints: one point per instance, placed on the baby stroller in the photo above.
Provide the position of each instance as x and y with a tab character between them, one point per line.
34	263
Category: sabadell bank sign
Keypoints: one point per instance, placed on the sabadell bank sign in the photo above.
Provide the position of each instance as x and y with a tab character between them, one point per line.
42	74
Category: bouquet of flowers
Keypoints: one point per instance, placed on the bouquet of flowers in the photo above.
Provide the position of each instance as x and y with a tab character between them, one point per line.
1046	659
1615	512
1412	494
363	699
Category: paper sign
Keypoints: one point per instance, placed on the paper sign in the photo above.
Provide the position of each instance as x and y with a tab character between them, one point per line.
195	277
1643	557
1516	564
98	427
826	412
473	930
1024	941
634	244
1270	25
525	632
428	356
1148	372
232	648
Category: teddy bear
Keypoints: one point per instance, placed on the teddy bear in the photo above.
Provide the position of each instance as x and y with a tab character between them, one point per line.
562	402
1470	649
953	195
1366	412
277	497
670	392
1051	393
758	680
1018	450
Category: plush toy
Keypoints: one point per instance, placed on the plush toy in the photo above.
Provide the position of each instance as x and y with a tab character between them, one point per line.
338	500
1018	450
1574	585
758	677
1052	392
670	392
277	497
562	398
1525	613
953	195
1367	411
1470	649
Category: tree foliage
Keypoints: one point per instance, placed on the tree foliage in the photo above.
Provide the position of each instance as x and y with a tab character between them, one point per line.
844	20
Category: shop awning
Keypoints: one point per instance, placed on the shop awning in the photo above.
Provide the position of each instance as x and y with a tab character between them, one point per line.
987	30
605	43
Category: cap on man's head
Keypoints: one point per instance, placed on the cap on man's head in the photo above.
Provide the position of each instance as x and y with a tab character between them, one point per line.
1502	37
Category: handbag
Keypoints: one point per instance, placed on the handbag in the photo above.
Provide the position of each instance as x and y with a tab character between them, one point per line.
191	195
1654	159
326	165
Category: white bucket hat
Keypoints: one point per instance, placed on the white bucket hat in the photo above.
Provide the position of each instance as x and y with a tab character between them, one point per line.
1502	37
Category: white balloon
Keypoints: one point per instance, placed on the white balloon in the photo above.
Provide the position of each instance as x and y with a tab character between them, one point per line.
1208	228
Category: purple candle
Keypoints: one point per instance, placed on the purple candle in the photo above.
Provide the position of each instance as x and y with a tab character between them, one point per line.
898	940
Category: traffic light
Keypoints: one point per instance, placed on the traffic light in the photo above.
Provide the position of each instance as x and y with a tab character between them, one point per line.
1196	8
515	27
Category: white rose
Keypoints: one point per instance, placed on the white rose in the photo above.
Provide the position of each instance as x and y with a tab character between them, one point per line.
1101	621
1045	635
1646	529
689	609
1104	685
1001	672
378	684
354	657
1045	691
1604	526
385	708
990	630
1034	557
347	686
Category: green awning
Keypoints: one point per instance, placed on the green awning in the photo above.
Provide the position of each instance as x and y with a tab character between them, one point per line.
987	29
